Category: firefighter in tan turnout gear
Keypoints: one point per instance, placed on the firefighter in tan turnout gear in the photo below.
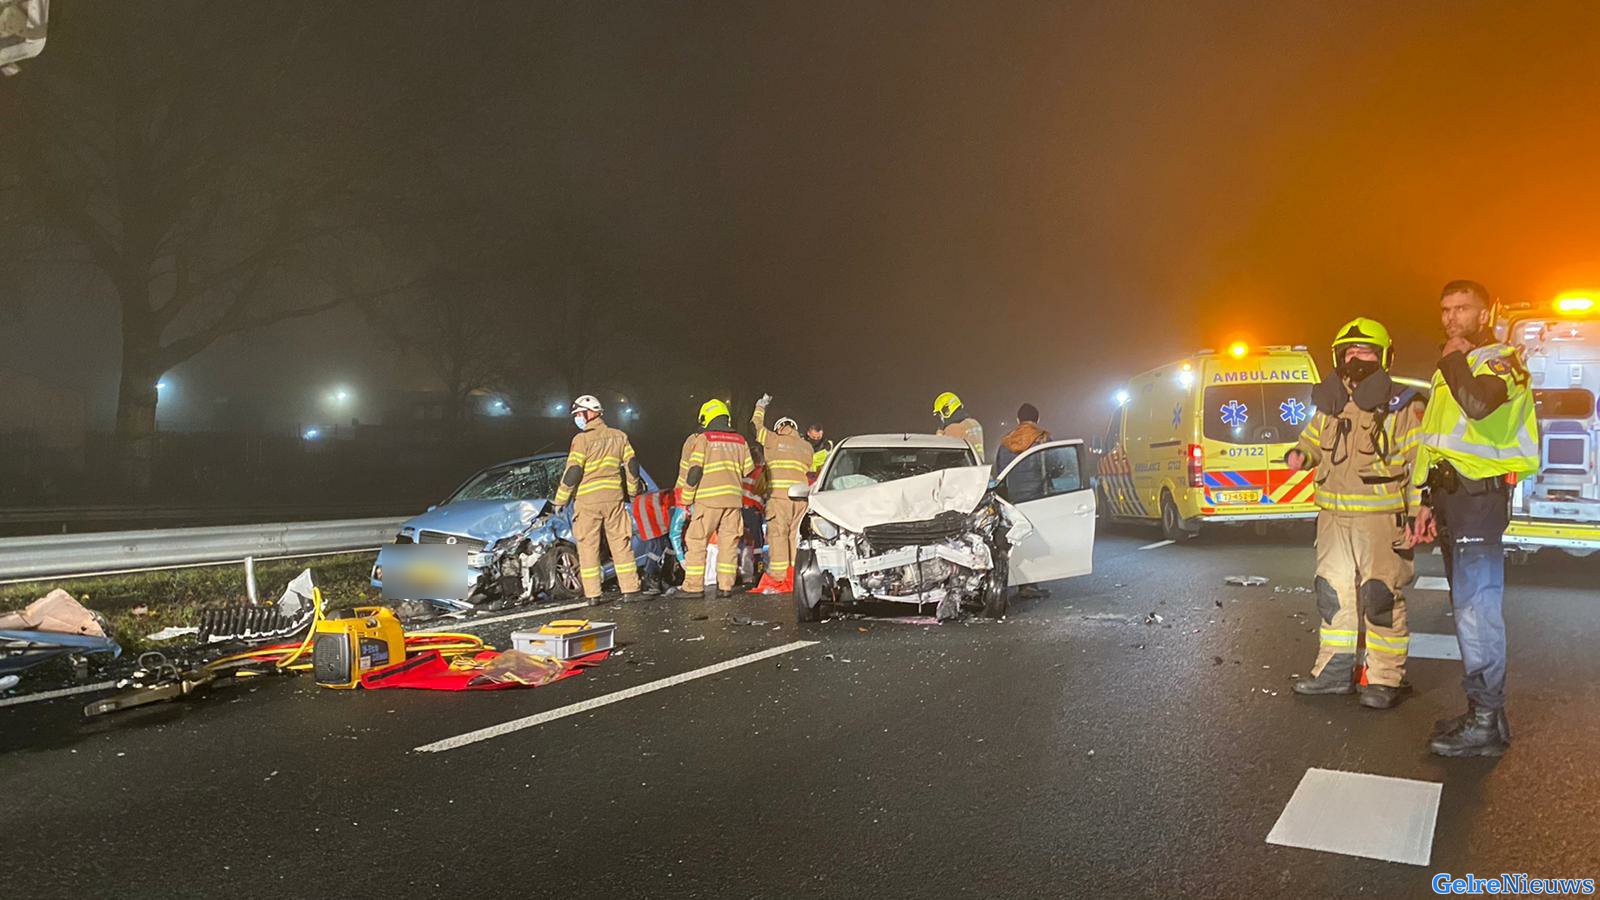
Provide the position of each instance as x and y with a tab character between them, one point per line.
955	421
600	460
711	485
788	465
1363	440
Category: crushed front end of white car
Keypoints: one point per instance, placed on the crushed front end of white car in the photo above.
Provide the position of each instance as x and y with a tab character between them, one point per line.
942	539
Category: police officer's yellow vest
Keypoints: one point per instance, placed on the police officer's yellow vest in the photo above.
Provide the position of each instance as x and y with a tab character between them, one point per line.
1506	442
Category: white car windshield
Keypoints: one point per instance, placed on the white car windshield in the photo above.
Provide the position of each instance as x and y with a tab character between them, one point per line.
853	467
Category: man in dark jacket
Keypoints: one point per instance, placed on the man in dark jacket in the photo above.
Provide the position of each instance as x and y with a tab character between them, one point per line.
1025	435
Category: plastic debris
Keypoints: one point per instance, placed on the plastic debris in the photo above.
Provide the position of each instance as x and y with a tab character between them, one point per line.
1154	618
172	631
1245	580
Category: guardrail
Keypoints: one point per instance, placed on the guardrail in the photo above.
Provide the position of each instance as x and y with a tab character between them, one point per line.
121	552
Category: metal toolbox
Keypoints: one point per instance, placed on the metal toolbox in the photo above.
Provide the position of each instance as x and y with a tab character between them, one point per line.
567	639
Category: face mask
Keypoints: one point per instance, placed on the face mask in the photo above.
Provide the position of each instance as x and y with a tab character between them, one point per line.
581	420
1357	369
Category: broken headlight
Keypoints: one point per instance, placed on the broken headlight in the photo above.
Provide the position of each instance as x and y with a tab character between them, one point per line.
824	529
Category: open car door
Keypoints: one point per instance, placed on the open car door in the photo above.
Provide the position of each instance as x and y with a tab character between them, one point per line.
1049	485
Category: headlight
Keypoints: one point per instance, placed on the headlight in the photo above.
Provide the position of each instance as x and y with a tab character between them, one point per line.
824	529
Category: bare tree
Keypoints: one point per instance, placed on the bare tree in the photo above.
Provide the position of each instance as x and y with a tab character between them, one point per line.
175	149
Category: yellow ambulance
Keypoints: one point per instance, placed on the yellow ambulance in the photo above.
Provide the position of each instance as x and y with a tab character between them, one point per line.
1202	440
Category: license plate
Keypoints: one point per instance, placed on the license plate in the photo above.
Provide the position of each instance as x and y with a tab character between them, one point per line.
1236	496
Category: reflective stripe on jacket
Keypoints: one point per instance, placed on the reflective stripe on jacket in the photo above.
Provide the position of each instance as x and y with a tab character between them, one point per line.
602	453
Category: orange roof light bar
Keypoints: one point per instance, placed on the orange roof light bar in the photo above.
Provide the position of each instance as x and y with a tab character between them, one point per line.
1574	304
1238	349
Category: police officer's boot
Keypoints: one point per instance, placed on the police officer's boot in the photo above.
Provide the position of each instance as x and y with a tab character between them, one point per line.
1335	677
1484	733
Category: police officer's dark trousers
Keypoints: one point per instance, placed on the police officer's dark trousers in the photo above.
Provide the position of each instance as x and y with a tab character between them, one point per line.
1471	524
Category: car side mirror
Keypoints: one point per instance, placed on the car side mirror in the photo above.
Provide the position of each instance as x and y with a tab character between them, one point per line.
799	491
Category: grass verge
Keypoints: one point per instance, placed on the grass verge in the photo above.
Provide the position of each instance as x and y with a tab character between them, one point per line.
141	604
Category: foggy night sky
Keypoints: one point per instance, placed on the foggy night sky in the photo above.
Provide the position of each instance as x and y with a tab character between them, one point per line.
1012	201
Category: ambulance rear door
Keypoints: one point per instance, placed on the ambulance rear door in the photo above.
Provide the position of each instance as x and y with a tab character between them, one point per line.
1252	412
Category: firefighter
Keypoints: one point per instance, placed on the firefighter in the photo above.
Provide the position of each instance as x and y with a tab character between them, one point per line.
954	421
789	458
1479	435
1362	440
600	460
714	464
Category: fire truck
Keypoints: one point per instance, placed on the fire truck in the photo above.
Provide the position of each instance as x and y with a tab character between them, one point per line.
1559	507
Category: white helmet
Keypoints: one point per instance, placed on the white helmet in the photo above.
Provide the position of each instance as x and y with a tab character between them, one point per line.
588	402
786	421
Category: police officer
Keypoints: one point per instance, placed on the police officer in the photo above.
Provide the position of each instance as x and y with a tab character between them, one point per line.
1479	435
1362	441
600	458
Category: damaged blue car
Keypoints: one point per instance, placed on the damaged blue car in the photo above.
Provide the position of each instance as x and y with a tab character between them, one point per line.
518	548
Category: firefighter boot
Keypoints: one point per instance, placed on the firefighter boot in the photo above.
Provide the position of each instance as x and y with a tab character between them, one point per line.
1379	696
1335	677
1484	733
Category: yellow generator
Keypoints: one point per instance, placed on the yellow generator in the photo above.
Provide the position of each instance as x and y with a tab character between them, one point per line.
353	641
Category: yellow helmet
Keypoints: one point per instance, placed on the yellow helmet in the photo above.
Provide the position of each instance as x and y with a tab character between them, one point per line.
946	404
1364	331
711	409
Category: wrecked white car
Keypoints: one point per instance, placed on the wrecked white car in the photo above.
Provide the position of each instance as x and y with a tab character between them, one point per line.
916	519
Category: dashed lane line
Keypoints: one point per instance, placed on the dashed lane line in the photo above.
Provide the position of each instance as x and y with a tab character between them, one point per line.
1432	583
1157	545
504	728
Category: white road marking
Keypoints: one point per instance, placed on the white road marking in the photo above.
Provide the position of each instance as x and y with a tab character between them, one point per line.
64	692
1156	545
494	731
1432	583
474	623
1356	814
1433	646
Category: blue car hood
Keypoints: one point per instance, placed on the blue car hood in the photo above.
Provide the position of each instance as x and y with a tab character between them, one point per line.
486	520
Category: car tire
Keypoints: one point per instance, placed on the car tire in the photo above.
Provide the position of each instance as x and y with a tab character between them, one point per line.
1171	520
807	608
996	591
560	573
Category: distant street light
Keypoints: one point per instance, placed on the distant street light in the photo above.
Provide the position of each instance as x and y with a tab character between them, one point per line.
311	434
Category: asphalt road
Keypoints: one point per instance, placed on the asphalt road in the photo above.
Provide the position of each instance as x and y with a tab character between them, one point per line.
1071	749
